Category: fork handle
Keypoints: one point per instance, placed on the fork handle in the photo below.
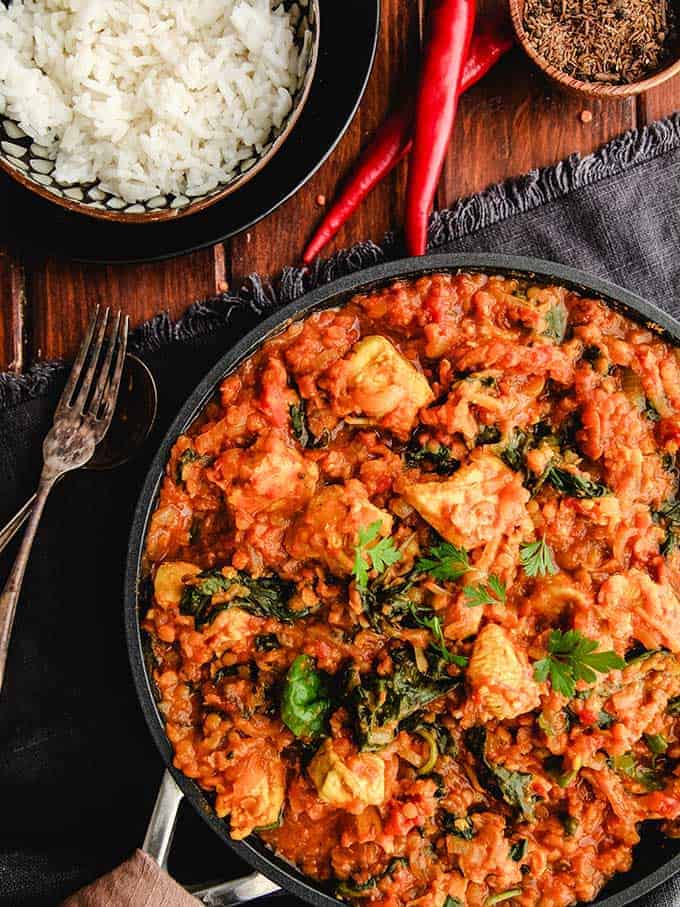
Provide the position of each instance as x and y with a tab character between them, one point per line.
10	529
10	594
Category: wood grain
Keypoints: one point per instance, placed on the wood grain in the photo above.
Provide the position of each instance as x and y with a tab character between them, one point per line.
61	295
12	308
660	102
513	121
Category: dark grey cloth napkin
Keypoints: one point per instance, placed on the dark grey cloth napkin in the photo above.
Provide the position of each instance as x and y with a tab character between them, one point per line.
78	770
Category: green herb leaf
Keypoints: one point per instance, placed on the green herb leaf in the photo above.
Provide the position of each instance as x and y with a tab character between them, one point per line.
350	889
445	562
490	434
503	896
300	427
519	850
647	777
267	596
382	555
445	464
491	594
537	558
377	705
459	826
673	707
452	902
515	450
657	743
305	703
431	621
511	786
572	484
556	322
298	419
189	456
572	657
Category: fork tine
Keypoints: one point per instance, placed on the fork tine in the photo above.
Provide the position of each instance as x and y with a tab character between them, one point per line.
72	381
111	393
105	370
95	354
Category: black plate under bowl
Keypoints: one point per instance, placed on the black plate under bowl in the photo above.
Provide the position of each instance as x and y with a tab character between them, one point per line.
348	38
657	858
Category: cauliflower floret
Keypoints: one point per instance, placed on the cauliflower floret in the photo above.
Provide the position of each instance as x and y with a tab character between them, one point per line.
500	677
329	528
376	380
641	609
350	783
258	793
168	584
270	476
481	502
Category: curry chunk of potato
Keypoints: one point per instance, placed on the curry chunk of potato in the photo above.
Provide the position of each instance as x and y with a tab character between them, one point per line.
378	382
351	782
168	583
329	528
500	676
483	501
259	792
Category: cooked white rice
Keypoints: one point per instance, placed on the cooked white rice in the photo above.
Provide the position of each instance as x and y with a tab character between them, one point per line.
147	96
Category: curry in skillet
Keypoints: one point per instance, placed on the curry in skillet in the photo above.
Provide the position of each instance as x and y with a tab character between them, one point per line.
415	611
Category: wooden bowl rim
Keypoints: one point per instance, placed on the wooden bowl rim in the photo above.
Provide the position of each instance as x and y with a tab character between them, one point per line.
592	89
170	214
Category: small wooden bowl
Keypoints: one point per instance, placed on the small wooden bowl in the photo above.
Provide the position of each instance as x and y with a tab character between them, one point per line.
31	166
590	89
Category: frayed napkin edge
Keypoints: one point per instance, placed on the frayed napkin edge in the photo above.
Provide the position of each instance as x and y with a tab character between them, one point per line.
497	203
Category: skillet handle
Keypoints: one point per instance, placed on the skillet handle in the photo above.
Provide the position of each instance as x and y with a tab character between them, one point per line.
158	841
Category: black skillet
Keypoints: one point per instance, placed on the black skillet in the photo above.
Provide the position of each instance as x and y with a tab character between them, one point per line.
657	858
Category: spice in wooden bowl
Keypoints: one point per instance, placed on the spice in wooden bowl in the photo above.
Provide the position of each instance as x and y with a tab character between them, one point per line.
614	42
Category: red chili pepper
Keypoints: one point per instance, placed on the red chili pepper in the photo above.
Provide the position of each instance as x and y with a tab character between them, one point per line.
394	139
451	24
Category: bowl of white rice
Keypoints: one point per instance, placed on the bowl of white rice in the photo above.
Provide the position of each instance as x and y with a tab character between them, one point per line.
148	110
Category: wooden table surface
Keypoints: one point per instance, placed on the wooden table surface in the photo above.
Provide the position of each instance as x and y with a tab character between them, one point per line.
512	121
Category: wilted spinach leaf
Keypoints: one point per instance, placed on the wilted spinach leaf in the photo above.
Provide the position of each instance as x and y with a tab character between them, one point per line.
267	596
378	704
460	826
510	786
300	427
440	457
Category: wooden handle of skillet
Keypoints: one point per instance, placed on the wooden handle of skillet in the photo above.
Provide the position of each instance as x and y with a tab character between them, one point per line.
139	880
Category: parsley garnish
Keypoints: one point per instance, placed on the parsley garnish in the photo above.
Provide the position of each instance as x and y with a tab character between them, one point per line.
537	558
433	623
445	561
491	594
382	555
572	657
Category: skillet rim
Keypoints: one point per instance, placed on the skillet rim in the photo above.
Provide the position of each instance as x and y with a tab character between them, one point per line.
251	850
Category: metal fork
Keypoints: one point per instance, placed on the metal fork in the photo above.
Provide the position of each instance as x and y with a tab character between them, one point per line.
81	420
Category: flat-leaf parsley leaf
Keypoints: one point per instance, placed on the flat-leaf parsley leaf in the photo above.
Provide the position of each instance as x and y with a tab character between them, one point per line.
572	657
491	594
382	555
537	558
445	561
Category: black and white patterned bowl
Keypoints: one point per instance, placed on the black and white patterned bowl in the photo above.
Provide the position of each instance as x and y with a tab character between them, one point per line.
31	166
